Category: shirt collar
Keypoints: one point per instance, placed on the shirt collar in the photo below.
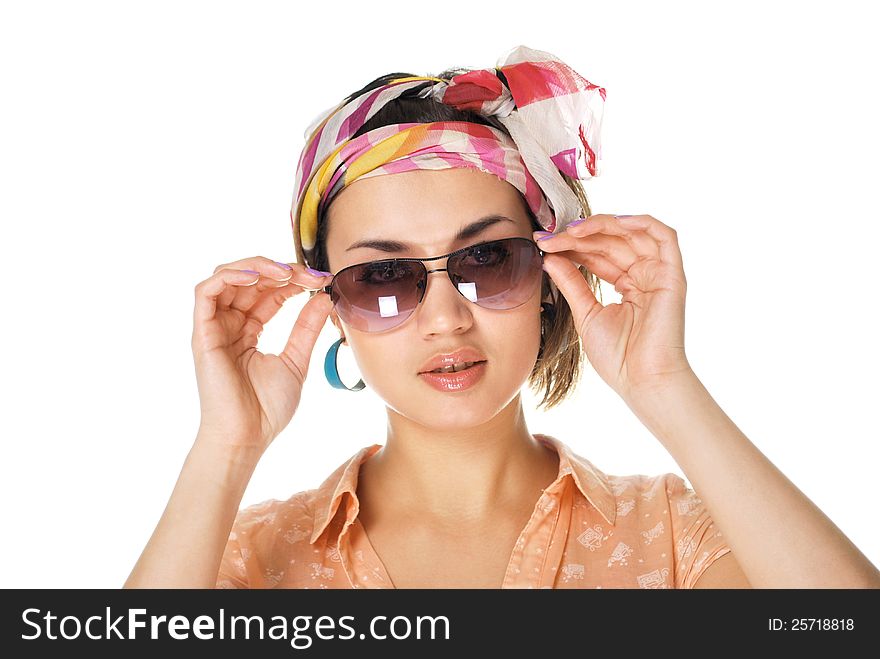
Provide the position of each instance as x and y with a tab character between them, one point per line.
590	480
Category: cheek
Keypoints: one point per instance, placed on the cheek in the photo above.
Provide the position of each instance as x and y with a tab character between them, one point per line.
513	337
388	361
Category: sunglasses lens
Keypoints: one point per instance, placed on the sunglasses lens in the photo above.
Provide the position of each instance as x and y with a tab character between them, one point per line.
502	274
377	296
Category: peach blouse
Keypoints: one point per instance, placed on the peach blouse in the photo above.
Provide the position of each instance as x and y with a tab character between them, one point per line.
587	530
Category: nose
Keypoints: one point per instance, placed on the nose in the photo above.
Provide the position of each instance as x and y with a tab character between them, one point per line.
443	312
465	289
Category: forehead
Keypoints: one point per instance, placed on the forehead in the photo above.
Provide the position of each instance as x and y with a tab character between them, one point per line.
421	207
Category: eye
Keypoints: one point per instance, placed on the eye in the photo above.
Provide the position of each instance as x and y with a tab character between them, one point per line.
383	272
488	254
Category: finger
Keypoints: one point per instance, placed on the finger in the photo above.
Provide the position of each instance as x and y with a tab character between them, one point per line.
621	279
571	283
650	271
665	236
272	269
243	299
639	242
301	342
300	280
207	291
246	263
613	248
270	272
602	267
269	302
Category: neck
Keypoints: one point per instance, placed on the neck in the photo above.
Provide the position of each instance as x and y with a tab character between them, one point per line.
460	477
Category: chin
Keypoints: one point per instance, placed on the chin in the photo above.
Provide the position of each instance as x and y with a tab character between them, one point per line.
435	409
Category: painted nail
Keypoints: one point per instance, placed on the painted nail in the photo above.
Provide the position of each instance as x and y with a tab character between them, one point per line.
251	272
576	222
283	265
619	216
319	273
549	235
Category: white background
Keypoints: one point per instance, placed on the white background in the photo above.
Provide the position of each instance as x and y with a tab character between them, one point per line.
143	144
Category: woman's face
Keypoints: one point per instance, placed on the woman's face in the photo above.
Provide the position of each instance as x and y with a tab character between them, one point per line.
425	209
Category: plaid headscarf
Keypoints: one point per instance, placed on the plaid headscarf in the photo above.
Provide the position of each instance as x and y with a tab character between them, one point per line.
553	114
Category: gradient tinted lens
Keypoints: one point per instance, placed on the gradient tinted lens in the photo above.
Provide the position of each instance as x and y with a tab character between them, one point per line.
376	296
501	274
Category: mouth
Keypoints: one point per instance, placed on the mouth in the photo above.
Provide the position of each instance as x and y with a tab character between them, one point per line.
458	368
456	381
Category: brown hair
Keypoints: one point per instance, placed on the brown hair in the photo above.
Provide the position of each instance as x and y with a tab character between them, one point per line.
560	358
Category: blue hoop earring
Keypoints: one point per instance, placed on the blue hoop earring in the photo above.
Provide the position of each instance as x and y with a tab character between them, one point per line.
331	369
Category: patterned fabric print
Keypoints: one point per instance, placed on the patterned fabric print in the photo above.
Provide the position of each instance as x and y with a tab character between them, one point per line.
588	530
553	115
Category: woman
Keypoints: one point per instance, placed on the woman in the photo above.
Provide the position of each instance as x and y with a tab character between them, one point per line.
421	205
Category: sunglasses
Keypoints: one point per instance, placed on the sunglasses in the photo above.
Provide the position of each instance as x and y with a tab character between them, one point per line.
379	295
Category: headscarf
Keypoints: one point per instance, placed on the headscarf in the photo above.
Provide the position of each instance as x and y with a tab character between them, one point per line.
553	115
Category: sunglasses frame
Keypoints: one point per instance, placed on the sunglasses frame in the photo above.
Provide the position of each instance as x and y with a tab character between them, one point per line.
463	250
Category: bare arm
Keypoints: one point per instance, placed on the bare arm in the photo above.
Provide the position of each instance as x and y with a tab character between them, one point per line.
246	398
780	538
187	545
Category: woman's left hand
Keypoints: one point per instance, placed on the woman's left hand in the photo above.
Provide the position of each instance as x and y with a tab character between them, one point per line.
638	343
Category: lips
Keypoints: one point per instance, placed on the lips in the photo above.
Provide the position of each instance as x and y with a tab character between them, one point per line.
457	368
458	356
453	383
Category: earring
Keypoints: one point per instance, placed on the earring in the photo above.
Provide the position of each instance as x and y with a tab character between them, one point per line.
331	369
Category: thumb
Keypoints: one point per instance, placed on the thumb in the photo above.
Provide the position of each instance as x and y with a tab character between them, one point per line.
311	320
571	283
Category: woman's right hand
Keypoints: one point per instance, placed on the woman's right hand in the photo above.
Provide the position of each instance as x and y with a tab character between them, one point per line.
246	397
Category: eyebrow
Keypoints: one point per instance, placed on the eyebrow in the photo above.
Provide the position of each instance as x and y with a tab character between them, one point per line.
465	233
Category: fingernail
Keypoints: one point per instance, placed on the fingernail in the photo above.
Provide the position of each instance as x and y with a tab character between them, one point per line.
319	273
571	224
545	237
624	216
251	272
283	265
